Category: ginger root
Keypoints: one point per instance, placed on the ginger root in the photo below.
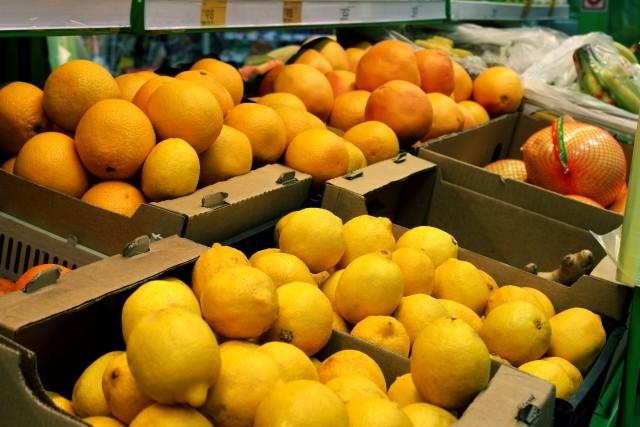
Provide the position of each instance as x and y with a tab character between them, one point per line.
571	268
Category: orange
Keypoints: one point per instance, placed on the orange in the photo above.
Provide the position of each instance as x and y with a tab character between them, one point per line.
334	53
183	109
436	71
295	121
230	155
447	117
404	107
8	165
475	110
115	196
130	83
469	121
315	59
463	85
32	272
72	88
264	128
282	98
142	96
348	109
308	84
376	140
620	202
113	139
206	80
341	81
6	286
225	74
318	152
50	159
584	199
315	122
499	90
21	115
354	54
385	61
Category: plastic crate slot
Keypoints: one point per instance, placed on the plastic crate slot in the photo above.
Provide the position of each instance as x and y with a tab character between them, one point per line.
27	258
65	263
45	258
55	260
7	260
16	258
2	252
73	266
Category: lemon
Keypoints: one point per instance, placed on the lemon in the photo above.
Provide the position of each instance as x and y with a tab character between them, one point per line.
350	387
329	287
574	373
294	364
438	244
385	332
371	285
283	268
501	360
102	421
305	318
417	269
356	157
461	281
124	397
351	362
509	293
174	357
462	312
213	260
315	236
427	415
154	296
543	301
450	364
417	311
552	373
247	375
518	331
301	403
577	335
364	234
339	324
491	283
239	302
61	402
256	255
403	391
87	397
172	169
170	416
376	412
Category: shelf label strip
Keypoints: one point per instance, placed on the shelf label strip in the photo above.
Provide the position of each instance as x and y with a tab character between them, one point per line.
292	11
213	13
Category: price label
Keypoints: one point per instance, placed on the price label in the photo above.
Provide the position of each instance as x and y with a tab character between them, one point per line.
213	13
292	12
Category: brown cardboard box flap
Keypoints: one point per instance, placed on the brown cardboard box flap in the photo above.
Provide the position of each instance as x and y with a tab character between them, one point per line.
92	282
93	227
241	203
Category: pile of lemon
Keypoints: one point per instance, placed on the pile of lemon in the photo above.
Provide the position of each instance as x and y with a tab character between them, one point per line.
236	347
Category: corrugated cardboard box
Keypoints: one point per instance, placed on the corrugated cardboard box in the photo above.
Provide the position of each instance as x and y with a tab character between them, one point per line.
212	213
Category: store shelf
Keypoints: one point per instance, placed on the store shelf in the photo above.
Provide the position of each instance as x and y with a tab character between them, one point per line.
495	11
200	14
40	15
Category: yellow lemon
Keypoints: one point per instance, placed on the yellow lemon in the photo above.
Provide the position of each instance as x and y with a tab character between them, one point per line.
462	312
364	234
102	421
569	368
403	391
61	402
417	269
211	261
383	331
376	412
87	397
518	331
339	324
461	281
170	416
543	301
283	268
427	415
491	283
417	311
438	244
254	258
350	387
329	287
450	364
124	397
351	362
552	373
509	293
294	364
239	302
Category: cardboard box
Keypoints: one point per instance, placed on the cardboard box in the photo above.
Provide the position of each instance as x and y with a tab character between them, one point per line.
212	213
69	324
461	157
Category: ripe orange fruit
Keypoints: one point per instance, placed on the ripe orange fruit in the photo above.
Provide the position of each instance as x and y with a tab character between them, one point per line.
463	85
348	109
315	59
186	110
230	155
264	128
308	84
50	159
318	152
115	196
334	53
618	204
206	80
354	54
225	74
584	199
72	88
385	61
447	117
341	81
295	121
475	111
32	272
404	107
376	140
130	83
282	98
113	139
141	98
436	71
8	165
499	90
21	115
6	286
